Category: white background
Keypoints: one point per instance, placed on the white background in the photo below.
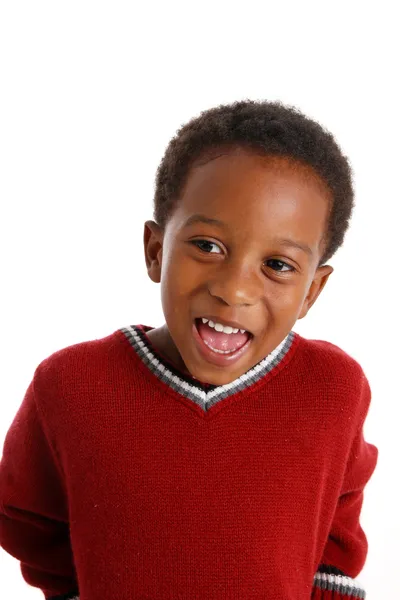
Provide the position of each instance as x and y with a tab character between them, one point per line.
92	92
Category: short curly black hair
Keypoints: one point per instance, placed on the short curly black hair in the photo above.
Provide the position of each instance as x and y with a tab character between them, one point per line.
272	128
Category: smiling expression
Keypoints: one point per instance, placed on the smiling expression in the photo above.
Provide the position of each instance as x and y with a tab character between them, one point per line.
242	244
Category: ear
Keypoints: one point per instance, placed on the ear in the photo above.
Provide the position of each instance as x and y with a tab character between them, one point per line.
318	283
153	240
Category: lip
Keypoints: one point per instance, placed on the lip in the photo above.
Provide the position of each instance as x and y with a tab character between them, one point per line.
216	319
219	360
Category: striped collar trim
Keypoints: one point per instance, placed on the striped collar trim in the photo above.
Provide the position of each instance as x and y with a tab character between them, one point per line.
203	396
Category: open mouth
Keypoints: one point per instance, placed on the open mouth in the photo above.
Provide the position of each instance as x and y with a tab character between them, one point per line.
220	347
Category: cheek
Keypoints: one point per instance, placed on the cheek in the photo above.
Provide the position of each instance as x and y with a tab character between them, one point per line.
181	277
281	301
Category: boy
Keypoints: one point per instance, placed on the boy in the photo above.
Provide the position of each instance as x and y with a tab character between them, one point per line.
220	456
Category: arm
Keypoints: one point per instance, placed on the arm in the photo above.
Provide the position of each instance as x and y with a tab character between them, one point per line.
33	507
346	548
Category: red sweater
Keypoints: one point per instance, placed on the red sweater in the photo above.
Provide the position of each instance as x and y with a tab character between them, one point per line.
122	478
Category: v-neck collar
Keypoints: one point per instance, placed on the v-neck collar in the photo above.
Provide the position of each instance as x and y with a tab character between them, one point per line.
204	395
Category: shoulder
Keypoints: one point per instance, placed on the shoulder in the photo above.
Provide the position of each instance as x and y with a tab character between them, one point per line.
336	374
80	352
76	364
330	360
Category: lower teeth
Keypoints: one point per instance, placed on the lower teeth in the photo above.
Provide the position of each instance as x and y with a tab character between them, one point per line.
219	351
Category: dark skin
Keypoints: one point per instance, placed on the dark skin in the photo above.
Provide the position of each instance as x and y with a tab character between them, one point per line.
239	272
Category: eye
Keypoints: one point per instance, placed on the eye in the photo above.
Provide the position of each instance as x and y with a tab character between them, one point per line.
280	262
204	242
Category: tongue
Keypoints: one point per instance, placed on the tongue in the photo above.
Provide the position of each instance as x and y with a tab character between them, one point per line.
220	340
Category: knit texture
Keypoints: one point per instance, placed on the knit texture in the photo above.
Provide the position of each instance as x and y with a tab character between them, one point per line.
123	478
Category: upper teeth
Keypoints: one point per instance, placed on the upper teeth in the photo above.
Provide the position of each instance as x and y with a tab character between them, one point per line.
220	327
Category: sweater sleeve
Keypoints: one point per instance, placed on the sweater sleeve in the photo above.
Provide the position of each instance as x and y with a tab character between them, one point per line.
346	548
34	524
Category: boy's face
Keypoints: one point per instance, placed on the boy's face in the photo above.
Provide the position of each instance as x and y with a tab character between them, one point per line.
240	271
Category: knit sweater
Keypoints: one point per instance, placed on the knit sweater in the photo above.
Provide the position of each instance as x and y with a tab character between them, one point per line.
122	478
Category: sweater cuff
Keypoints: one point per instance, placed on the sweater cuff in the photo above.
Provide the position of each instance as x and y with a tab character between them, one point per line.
331	586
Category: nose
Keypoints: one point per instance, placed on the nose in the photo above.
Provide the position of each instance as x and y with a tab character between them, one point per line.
236	284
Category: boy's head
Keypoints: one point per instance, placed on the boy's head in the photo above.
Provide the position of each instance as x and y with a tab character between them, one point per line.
270	176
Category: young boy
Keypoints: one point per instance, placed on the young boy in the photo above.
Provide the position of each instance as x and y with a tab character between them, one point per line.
222	455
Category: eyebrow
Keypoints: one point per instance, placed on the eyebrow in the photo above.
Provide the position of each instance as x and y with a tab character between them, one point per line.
282	241
294	244
203	219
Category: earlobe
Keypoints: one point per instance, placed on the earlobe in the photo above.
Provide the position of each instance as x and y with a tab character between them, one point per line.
152	241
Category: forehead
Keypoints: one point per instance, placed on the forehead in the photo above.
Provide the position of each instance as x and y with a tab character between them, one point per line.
256	192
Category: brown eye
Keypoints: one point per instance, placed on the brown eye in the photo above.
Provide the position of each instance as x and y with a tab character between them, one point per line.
280	262
206	243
